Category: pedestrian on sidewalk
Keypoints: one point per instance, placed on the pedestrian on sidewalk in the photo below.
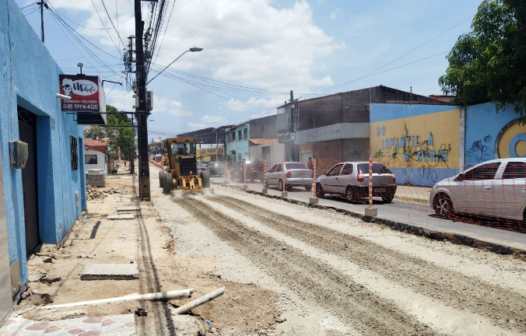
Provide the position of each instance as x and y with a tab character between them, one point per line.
310	164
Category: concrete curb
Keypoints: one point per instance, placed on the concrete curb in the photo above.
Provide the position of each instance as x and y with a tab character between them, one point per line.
406	228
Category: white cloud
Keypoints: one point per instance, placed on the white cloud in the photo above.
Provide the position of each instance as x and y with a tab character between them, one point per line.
336	14
196	125
169	106
250	104
248	42
212	119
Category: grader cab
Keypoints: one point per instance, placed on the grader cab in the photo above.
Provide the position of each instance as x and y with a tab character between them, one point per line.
180	154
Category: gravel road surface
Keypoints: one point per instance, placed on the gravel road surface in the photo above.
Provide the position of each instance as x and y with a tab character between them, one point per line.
342	276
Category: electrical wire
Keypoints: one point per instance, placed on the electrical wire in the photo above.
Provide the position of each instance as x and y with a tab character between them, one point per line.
109	17
102	21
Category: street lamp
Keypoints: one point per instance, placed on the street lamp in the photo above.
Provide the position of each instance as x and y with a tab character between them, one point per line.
193	49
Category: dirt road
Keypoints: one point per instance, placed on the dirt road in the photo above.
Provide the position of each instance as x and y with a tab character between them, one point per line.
338	275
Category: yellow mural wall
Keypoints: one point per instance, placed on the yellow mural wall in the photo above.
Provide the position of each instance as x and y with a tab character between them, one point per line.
429	140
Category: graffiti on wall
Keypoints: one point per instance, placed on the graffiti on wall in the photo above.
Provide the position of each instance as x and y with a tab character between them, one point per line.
480	151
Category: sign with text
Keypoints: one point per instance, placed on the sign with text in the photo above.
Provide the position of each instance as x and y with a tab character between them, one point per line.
84	93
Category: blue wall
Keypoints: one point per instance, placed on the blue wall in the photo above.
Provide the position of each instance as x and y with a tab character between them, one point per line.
29	78
483	125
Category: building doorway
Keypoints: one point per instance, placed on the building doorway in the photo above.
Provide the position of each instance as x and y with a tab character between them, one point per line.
27	124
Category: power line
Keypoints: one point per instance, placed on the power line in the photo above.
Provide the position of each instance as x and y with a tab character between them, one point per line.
102	21
109	17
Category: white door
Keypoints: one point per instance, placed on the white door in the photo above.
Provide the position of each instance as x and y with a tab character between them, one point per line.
478	185
331	183
344	178
509	192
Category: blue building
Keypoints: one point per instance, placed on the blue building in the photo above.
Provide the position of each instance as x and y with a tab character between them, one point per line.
43	200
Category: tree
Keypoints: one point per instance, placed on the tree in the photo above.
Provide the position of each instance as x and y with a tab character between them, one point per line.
120	132
488	64
95	132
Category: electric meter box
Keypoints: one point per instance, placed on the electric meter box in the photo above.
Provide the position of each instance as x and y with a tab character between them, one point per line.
19	153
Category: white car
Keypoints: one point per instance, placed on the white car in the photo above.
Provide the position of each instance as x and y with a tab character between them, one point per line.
495	188
351	180
295	174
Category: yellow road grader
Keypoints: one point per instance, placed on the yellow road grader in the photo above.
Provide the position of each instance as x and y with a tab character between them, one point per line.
182	172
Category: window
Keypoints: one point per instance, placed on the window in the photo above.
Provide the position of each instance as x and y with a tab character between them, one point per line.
245	133
347	169
378	168
233	135
296	165
91	159
238	156
239	135
278	167
74	154
182	148
515	170
273	169
335	171
484	172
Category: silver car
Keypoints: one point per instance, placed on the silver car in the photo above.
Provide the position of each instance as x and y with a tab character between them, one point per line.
495	188
295	174
351	180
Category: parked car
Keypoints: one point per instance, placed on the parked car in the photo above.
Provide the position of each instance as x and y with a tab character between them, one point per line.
255	171
495	188
295	174
216	168
351	180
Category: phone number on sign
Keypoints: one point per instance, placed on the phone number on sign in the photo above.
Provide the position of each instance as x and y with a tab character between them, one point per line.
81	106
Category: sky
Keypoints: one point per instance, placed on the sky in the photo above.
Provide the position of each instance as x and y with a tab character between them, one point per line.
256	51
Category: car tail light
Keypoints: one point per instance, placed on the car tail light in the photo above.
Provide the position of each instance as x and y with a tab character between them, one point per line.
289	175
394	179
360	178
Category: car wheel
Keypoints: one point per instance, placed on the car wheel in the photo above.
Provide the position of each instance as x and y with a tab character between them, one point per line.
350	195
443	206
280	185
388	196
308	187
319	191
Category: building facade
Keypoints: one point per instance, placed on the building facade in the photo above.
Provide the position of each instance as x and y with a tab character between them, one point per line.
44	199
238	138
336	127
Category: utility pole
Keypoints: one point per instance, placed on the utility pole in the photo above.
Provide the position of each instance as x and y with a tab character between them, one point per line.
42	5
141	110
292	130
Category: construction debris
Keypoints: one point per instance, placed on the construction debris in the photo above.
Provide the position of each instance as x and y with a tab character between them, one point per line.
117	217
110	272
200	301
94	193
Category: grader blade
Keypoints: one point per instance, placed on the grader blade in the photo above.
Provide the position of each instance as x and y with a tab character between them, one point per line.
191	184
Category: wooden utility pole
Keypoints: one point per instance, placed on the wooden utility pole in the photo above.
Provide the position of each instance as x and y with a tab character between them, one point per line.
141	110
42	5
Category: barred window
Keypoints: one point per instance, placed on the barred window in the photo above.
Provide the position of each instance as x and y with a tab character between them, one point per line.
74	154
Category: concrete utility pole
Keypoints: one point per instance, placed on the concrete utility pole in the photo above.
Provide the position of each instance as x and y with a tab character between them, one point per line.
291	153
141	110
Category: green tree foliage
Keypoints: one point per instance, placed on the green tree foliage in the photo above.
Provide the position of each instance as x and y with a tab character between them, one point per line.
119	131
488	64
95	132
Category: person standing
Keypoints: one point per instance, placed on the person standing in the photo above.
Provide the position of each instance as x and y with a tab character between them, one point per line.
310	165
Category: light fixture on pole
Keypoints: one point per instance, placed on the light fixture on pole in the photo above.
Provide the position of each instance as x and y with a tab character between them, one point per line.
193	49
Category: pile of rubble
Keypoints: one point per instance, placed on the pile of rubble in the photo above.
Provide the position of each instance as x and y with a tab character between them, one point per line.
94	193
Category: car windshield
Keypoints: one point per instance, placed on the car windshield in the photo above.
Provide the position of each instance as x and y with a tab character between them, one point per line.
182	148
378	168
295	165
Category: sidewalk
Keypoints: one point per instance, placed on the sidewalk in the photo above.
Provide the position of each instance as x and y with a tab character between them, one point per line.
55	273
415	194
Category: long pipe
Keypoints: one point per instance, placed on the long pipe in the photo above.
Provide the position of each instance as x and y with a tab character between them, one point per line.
186	293
200	301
